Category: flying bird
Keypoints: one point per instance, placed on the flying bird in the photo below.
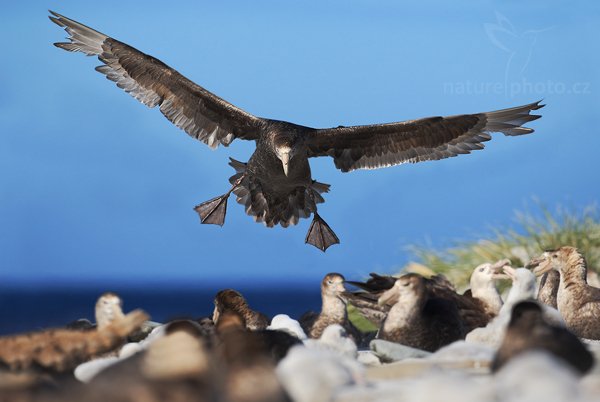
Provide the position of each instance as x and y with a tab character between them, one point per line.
275	185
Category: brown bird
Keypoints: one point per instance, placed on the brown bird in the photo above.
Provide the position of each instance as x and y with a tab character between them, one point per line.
417	318
248	362
476	307
528	331
61	350
233	300
549	288
333	310
578	302
275	185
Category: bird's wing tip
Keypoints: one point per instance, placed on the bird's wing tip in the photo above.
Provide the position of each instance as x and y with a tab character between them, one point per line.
538	105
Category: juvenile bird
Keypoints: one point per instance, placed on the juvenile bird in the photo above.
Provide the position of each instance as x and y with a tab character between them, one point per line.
529	331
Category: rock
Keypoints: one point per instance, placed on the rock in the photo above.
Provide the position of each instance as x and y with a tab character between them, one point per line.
316	375
334	338
368	358
393	352
283	322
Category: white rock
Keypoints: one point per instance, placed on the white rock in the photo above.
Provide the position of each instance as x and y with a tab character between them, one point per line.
315	375
88	370
283	322
461	351
129	349
334	338
392	351
368	358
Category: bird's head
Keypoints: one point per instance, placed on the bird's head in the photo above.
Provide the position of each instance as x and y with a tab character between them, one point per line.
333	284
409	289
564	260
485	274
284	145
108	309
284	152
526	313
228	299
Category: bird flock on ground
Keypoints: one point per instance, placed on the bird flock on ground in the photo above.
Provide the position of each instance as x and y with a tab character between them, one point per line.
238	354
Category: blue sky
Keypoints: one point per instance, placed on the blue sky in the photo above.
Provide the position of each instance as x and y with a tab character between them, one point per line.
96	187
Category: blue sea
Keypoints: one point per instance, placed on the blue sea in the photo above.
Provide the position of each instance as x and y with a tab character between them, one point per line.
29	309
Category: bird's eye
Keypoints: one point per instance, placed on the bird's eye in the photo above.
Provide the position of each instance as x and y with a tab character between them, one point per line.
330	282
481	269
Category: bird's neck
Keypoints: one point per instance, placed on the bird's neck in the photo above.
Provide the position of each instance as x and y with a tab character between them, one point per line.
106	315
573	276
333	307
401	314
489	295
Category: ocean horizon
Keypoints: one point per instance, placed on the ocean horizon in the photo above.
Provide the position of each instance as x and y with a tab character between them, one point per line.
26	308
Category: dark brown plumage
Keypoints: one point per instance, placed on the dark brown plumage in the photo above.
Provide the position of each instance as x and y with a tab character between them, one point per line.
248	360
417	318
230	299
333	310
474	312
275	185
577	302
528	331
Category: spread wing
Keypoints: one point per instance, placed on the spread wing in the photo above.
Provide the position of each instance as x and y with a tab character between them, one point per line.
190	107
432	138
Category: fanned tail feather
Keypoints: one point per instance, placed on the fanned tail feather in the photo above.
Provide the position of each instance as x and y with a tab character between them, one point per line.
300	203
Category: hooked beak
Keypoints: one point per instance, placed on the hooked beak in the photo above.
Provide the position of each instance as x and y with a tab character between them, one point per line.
498	269
510	272
540	265
285	160
390	296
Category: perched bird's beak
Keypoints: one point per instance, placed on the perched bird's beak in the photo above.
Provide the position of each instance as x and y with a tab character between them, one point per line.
390	297
540	265
498	271
285	160
510	272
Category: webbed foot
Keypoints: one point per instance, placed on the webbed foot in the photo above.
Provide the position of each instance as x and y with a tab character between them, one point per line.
213	211
320	234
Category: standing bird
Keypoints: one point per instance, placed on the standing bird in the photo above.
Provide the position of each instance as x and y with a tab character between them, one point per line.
275	185
528	331
333	310
578	302
477	306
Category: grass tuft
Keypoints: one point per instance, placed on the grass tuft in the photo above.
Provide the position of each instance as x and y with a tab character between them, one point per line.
535	232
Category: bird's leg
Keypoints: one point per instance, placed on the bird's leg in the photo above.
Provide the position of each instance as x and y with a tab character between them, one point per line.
319	233
213	211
